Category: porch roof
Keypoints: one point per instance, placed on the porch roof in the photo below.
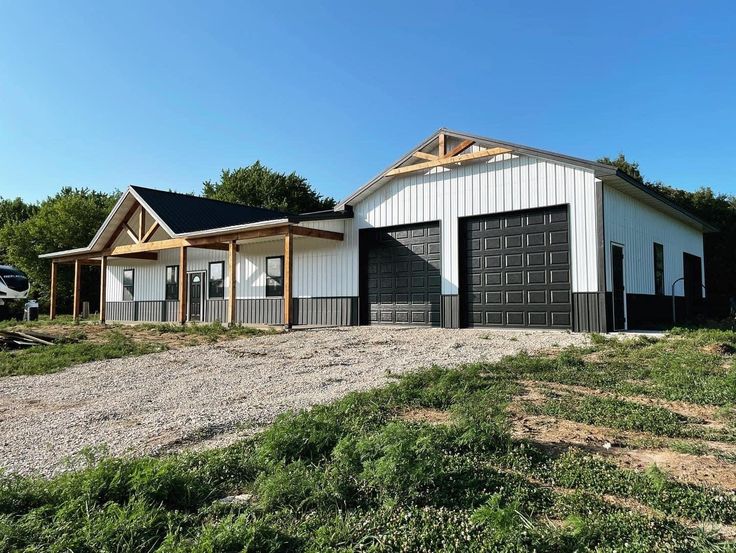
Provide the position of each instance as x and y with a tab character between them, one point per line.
193	221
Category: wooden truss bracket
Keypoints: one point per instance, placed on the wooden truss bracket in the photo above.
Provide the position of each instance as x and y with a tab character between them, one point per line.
448	160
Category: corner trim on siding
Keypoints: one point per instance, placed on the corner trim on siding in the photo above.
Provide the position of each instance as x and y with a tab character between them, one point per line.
601	235
600	214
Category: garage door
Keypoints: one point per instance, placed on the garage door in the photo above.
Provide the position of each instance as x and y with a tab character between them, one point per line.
400	275
515	269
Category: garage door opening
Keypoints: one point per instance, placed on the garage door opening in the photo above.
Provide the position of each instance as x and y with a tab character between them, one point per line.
515	269
400	280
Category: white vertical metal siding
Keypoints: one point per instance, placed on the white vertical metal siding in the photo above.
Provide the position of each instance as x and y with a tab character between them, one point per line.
637	226
322	268
150	276
505	183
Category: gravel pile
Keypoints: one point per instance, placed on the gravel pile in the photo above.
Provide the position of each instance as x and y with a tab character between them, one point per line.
208	396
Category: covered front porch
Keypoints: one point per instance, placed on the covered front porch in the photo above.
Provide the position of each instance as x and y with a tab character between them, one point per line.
190	256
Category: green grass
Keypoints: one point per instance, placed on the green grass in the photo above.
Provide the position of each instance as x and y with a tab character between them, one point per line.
615	413
212	331
42	321
677	368
49	359
354	476
117	342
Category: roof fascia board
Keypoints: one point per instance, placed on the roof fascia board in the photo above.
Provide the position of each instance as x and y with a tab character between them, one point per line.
65	253
367	186
109	217
97	235
234	228
326	215
598	167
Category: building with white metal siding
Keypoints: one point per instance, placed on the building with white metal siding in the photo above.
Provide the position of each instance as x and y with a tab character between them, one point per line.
461	231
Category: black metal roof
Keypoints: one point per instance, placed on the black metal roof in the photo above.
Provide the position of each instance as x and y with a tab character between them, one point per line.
183	213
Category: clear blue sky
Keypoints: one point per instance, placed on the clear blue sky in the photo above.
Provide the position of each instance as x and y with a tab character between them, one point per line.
165	94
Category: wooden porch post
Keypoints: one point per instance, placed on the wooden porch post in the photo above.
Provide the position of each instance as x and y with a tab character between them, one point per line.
103	289
77	288
52	299
183	284
232	266
288	264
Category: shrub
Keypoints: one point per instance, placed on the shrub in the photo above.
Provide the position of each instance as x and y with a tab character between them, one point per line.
307	436
401	461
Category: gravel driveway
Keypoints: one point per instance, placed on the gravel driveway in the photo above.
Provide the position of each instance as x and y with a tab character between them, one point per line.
210	395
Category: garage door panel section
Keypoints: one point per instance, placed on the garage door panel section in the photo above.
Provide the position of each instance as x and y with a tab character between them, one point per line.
402	283
515	269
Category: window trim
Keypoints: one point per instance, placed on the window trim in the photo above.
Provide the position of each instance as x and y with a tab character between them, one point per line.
269	293
658	291
167	284
210	280
131	286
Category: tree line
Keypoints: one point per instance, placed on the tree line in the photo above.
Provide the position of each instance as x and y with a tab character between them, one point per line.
70	219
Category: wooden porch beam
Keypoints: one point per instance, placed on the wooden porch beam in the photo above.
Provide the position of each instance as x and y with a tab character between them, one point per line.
53	296
216	246
288	265
183	284
215	241
147	256
460	148
77	289
103	289
447	161
317	233
441	145
232	263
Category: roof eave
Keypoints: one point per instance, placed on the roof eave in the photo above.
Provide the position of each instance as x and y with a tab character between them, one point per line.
66	253
327	214
236	228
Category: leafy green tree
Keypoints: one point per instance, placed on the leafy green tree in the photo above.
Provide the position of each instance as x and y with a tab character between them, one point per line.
259	186
631	168
13	212
67	220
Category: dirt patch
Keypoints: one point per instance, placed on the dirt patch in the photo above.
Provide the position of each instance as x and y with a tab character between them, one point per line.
550	353
695	469
595	357
706	415
563	434
425	415
724	531
718	349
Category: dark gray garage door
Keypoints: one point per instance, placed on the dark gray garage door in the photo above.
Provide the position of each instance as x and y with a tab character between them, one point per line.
400	275
515	269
